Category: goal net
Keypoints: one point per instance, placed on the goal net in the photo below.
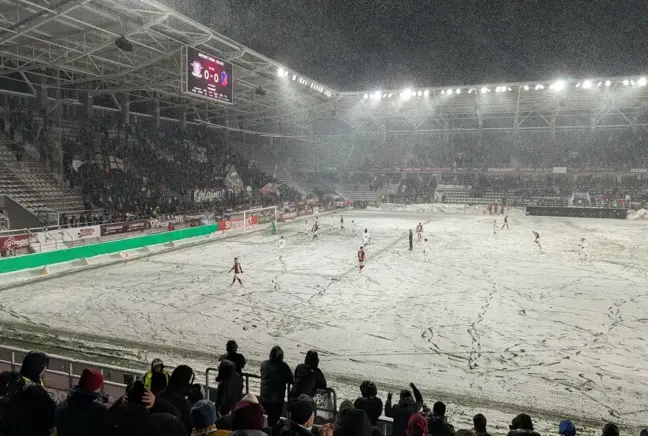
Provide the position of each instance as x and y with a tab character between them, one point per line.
580	199
259	217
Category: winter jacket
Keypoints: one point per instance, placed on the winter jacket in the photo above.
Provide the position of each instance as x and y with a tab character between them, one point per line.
522	432
237	358
82	414
400	413
438	426
308	380
28	412
291	428
373	407
275	375
156	381
230	387
178	399
248	433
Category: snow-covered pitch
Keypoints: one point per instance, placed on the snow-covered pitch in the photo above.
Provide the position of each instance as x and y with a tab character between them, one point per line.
491	318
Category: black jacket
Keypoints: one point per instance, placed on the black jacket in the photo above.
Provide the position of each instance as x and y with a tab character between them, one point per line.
237	358
82	414
400	413
373	407
308	380
291	428
437	426
230	387
29	412
275	375
178	399
522	432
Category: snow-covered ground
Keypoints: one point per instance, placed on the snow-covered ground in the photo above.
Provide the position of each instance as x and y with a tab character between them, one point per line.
491	321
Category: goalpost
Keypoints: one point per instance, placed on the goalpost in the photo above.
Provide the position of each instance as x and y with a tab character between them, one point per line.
259	216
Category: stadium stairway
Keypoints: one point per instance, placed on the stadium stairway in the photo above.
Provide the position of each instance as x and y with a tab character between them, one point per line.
352	192
31	184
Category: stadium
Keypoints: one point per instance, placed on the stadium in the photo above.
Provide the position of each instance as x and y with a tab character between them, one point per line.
141	152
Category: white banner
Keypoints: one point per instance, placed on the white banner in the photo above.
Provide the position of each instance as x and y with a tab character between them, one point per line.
68	235
560	170
639	170
207	195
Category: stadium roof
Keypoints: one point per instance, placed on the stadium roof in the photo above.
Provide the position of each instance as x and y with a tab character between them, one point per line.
69	47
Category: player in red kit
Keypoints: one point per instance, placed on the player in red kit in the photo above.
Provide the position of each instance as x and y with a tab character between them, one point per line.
419	231
237	270
361	258
537	238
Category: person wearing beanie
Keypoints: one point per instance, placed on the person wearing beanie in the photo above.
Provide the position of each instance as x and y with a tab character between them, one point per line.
522	426
234	356
308	377
369	402
400	412
157	379
610	429
479	425
302	417
566	428
437	421
84	411
417	425
248	418
178	390
275	376
203	418
230	387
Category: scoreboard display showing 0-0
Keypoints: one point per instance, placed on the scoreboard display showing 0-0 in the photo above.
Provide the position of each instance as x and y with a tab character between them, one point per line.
208	77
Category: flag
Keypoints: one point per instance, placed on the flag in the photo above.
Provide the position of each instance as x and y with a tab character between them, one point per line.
116	163
233	179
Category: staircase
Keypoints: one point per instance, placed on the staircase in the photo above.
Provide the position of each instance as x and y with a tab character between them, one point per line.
33	185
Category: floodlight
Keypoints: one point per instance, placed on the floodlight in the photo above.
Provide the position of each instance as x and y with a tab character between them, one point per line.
641	82
377	95
281	72
558	85
608	83
420	93
426	93
366	96
626	82
458	91
508	88
484	90
471	90
539	86
599	84
406	94
578	85
449	92
526	87
390	95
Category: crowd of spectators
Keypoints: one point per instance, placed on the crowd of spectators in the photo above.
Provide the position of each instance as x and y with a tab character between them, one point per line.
170	403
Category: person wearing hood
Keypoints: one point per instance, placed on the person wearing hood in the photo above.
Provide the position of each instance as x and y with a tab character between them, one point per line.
302	417
356	423
33	367
178	390
164	424
480	426
234	356
248	418
343	412
157	379
400	412
369	402
522	426
84	412
437	421
275	376
417	425
230	387
27	410
308	377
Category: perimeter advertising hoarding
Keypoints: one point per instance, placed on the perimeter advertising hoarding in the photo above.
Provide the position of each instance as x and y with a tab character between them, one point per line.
207	76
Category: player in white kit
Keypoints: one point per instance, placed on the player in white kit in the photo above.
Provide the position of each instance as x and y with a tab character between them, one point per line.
353	228
494	227
306	227
366	238
426	250
282	244
583	251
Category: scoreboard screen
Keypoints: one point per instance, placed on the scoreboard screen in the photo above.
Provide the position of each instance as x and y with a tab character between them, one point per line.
208	76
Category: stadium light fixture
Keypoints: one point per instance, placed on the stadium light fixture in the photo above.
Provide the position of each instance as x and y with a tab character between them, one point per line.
626	82
426	93
484	90
366	96
539	87
578	85
281	72
509	89
406	94
449	92
458	91
526	87
471	90
641	82
558	85
599	84
391	94
420	93
377	95
607	83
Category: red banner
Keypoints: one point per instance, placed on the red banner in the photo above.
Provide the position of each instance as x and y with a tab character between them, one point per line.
127	227
238	223
14	242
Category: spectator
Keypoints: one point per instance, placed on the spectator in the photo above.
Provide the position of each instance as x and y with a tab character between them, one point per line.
177	391
610	429
400	412
369	402
34	366
417	425
233	356
164	424
157	379
465	432
302	417
566	428
479	423
308	377
345	409
356	424
247	418
275	376
27	409
203	418
437	422
84	412
230	387
523	426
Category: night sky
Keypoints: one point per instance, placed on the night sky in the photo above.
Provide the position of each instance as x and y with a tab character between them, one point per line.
366	44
